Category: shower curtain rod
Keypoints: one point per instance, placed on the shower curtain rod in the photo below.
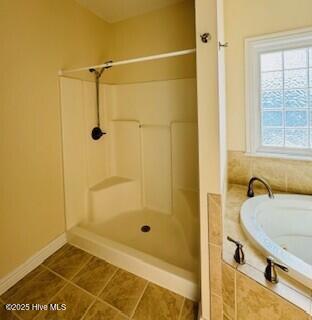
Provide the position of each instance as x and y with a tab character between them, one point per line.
118	63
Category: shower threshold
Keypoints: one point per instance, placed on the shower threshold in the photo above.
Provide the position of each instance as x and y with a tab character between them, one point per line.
138	249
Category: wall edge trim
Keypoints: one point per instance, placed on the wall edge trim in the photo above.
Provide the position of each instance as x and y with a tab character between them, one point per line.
31	263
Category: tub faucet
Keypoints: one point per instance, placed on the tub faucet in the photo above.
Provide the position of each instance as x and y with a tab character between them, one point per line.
270	272
250	192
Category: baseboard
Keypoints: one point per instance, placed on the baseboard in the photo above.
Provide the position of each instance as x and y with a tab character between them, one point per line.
30	264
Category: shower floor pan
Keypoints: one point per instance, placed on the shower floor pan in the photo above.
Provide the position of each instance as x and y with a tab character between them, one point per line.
147	243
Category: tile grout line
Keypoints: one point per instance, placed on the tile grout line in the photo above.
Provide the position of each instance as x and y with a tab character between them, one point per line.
112	307
139	300
13	312
108	281
60	290
85	291
87	310
182	306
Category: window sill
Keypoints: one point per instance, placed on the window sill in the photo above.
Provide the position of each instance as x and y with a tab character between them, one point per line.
279	156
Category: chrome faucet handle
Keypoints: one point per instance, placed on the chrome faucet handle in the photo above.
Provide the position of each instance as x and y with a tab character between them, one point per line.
239	255
270	272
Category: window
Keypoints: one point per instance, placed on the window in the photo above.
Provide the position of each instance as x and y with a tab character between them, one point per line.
279	94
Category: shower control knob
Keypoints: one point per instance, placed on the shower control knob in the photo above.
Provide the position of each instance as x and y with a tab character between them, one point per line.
239	255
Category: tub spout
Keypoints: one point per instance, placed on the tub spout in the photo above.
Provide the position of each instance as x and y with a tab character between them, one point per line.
250	191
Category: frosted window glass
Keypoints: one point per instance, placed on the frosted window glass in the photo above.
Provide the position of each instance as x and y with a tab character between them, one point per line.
272	99
271	61
286	98
294	59
296	138
273	137
272	118
296	118
297	78
272	80
297	98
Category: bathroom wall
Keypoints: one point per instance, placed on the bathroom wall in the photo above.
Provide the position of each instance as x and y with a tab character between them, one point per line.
161	31
292	176
244	18
38	38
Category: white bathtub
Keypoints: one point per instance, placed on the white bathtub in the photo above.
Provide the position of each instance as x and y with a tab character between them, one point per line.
282	228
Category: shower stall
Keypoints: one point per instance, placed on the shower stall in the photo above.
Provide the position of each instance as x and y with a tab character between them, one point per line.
131	195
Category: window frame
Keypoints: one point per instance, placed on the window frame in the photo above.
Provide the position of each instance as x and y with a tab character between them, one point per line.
253	48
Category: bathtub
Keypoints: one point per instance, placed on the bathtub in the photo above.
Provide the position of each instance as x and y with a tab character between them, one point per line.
282	228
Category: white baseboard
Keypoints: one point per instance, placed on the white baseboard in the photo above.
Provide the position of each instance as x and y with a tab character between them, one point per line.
32	263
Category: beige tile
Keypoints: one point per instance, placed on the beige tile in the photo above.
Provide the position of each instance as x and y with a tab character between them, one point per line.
6	315
189	310
76	301
124	291
215	219
280	289
225	317
239	167
228	289
255	302
158	303
216	308
34	290
272	170
101	311
67	261
94	275
215	259
299	175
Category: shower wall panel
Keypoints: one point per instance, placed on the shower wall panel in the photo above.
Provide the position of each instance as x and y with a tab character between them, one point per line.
156	151
97	152
74	150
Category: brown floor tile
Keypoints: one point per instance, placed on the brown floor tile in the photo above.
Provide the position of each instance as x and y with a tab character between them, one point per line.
101	311
124	291
6	315
34	290
94	275
67	261
28	278
189	310
158	303
76	300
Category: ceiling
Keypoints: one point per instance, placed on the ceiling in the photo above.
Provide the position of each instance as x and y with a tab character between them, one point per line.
117	10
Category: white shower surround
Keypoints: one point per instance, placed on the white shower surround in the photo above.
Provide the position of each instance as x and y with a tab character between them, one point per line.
113	187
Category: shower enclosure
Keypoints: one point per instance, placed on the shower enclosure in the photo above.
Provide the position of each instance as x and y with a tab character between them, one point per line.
132	194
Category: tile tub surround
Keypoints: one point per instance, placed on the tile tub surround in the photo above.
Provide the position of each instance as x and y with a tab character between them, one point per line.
215	254
292	176
92	289
244	288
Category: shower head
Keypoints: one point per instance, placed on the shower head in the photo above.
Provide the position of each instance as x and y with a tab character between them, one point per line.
97	73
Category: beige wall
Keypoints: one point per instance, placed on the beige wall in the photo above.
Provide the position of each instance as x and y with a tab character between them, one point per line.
245	18
37	39
161	31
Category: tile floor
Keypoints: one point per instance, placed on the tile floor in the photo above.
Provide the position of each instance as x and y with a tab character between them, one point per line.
92	289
